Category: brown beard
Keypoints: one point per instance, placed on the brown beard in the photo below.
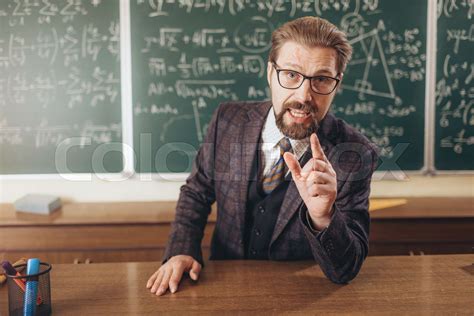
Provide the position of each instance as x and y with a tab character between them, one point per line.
296	130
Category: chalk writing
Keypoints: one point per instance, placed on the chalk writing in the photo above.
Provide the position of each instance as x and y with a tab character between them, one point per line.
59	78
454	86
184	70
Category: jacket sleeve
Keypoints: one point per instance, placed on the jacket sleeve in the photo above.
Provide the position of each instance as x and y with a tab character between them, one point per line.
195	200
342	247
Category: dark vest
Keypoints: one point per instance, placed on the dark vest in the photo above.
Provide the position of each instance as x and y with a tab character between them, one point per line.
261	212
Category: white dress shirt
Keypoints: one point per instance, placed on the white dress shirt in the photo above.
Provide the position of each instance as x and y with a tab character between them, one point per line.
271	135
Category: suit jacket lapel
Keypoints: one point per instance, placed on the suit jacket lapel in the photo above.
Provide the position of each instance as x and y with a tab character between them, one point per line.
291	202
250	135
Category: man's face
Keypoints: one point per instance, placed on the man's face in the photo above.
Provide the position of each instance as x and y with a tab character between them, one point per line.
299	111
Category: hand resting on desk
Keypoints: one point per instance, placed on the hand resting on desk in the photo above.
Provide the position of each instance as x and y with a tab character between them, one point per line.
170	273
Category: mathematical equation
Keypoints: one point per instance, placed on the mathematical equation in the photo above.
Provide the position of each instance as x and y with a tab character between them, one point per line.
370	108
99	88
205	66
46	135
455	77
450	8
269	8
59	46
254	37
21	12
382	136
404	55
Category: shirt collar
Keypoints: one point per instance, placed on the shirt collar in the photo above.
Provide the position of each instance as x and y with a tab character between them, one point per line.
271	135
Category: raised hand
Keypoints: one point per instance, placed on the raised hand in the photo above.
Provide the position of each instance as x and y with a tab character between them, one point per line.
316	182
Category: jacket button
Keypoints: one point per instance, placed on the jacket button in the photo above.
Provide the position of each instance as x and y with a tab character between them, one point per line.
253	252
261	209
257	232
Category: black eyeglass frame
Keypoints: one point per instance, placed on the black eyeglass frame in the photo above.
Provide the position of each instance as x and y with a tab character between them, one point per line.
304	78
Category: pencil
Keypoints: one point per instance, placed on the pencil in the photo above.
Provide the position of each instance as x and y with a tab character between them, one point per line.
22	261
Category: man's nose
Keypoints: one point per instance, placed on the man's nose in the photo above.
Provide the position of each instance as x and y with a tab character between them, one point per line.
304	93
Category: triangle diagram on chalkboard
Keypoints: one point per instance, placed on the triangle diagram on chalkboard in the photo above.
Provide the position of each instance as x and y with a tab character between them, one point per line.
368	72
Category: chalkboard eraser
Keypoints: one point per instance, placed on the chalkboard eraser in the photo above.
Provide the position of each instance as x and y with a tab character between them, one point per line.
38	204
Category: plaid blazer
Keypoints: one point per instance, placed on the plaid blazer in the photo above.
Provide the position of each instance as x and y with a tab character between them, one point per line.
221	173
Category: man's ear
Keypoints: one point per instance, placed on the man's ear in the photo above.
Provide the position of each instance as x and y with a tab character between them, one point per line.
269	73
340	76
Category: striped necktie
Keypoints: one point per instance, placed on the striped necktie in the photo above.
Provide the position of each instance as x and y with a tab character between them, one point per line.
276	175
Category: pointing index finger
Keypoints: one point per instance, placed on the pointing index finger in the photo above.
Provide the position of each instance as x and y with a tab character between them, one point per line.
316	149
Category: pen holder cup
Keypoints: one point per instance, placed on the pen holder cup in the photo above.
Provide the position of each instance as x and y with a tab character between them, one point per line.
16	291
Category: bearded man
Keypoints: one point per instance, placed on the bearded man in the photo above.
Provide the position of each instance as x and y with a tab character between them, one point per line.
291	181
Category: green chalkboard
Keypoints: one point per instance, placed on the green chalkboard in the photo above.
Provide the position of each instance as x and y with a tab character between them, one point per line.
188	56
454	125
60	108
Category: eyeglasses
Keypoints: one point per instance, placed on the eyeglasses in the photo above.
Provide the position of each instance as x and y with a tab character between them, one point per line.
291	79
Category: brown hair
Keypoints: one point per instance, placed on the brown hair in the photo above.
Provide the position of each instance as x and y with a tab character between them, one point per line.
312	31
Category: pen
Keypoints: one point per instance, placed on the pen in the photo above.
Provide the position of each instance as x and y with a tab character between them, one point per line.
10	270
22	261
31	292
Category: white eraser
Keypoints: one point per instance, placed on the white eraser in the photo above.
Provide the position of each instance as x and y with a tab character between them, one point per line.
38	204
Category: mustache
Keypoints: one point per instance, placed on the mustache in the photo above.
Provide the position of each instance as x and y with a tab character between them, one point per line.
297	131
299	106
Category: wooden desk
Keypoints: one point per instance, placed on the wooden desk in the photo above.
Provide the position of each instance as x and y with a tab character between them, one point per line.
394	285
138	231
